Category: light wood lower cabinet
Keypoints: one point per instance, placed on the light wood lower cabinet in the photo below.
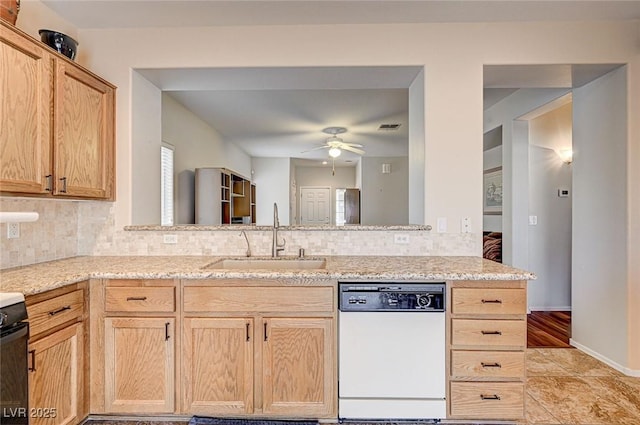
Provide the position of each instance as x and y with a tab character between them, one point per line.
486	345
218	365
259	350
55	381
295	377
134	370
297	366
58	356
140	365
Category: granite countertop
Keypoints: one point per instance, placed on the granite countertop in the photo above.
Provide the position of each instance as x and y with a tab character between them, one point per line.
41	277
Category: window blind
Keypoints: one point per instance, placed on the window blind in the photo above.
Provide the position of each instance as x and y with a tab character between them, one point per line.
166	186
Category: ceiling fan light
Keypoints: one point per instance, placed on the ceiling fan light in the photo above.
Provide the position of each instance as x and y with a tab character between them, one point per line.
334	152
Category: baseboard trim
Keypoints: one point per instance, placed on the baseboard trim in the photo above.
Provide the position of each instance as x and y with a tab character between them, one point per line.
561	308
629	372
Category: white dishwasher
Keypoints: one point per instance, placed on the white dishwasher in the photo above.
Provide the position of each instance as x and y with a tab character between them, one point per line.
391	345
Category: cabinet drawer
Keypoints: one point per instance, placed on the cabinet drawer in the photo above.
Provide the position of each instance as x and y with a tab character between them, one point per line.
257	299
159	299
495	400
488	301
487	364
48	314
489	332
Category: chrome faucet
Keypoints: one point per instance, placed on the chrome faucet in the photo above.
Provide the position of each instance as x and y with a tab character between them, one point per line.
246	239
275	246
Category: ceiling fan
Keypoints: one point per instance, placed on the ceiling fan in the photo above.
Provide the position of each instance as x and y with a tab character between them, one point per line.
336	145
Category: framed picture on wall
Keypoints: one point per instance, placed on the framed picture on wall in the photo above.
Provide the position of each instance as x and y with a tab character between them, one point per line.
492	187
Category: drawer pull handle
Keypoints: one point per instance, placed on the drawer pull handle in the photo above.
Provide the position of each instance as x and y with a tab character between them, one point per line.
491	364
60	310
491	333
64	185
136	298
491	301
489	397
248	335
166	331
32	368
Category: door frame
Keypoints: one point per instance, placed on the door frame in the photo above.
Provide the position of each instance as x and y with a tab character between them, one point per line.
331	202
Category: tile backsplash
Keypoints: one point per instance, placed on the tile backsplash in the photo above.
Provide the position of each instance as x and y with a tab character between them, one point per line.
53	236
70	228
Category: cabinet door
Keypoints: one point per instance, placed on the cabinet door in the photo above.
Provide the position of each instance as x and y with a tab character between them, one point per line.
139	365
218	366
298	366
56	378
84	134
25	114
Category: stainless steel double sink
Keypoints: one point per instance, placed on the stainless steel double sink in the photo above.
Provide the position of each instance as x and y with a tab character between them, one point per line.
267	263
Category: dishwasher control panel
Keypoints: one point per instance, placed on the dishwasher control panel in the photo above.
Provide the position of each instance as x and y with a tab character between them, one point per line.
392	296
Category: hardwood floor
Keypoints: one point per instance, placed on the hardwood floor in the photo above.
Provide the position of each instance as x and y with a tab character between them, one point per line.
548	329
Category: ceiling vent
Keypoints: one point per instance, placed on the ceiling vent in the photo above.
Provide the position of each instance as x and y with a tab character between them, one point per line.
388	127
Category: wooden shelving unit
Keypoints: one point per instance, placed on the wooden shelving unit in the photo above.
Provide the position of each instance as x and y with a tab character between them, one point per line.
236	203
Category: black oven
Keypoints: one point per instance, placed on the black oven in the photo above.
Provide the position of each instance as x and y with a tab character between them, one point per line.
14	378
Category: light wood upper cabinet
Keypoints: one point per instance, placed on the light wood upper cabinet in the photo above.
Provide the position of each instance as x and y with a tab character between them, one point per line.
26	96
57	128
83	123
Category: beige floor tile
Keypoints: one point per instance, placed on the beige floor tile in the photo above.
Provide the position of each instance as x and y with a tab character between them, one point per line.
536	414
578	363
575	400
624	392
538	364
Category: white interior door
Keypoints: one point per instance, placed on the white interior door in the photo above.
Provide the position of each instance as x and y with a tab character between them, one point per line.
315	205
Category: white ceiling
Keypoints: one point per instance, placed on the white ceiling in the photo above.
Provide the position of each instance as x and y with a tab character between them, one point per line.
281	111
164	13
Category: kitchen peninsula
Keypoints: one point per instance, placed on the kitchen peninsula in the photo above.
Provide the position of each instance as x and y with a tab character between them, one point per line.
154	318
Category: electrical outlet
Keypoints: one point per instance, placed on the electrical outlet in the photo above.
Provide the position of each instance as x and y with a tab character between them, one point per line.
533	220
13	230
401	238
172	239
465	225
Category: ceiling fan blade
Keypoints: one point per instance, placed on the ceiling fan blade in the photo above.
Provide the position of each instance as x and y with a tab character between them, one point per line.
316	148
353	145
354	150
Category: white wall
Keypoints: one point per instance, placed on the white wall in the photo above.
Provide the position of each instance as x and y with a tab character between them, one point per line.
384	198
453	56
550	239
600	217
197	145
515	164
345	177
272	179
146	129
416	150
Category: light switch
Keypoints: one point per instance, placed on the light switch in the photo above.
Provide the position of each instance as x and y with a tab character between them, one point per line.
533	220
441	225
